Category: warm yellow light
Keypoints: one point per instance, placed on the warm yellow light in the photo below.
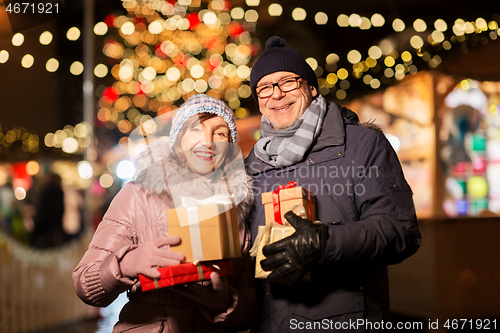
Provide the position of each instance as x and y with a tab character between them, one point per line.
416	42
406	56
73	33
253	2
243	72
148	74
251	15
469	28
341	94
241	113
342	73
367	79
446	45
313	63
209	18
464	84
321	18
45	38
20	193
437	36
275	9
49	140
100	28
200	86
389	61
52	65
82	129
156	27
188	85
365	23
375	83
375	52
398	25
4	56
197	71
237	13
343	20
101	70
377	20
458	29
18	39
354	56
332	58
299	14
32	168
440	25
354	20
482	24
126	73
127	28
27	61
106	180
76	68
173	74
69	145
331	79
215	82
419	25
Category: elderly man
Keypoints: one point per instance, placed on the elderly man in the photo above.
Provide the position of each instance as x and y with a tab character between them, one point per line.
364	204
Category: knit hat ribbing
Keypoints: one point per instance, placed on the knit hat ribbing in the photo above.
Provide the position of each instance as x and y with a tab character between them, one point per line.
279	57
202	104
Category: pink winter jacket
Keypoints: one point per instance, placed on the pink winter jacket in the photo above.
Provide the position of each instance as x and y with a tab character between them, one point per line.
136	215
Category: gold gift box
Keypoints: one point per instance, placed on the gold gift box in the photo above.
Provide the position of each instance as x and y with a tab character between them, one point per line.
214	236
293	198
288	198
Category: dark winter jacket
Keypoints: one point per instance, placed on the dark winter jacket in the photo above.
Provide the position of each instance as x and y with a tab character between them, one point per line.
364	199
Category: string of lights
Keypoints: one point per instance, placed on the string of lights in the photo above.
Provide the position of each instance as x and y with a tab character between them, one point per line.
162	52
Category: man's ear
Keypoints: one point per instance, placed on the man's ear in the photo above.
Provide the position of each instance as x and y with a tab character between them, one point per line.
314	91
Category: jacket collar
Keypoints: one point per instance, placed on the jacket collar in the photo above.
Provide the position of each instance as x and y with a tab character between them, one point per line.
332	134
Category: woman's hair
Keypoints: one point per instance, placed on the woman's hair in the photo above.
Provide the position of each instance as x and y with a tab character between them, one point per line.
176	148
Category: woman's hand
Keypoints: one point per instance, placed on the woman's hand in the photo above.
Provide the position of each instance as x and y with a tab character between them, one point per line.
146	257
215	294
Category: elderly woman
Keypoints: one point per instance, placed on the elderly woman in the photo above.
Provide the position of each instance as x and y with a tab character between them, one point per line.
133	237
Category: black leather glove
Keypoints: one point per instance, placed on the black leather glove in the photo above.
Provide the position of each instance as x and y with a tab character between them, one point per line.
292	257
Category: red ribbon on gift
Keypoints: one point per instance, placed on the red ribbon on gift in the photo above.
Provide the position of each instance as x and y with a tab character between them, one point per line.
276	201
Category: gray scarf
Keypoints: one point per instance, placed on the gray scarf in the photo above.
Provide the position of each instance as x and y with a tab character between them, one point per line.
288	146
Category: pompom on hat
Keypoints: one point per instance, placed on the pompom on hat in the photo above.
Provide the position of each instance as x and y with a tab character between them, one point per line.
202	104
278	57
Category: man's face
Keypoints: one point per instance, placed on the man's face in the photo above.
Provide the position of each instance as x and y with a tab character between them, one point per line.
283	109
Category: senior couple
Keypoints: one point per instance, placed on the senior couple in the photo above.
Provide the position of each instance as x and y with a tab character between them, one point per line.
361	232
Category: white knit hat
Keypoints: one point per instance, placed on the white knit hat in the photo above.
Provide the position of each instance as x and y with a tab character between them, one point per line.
202	104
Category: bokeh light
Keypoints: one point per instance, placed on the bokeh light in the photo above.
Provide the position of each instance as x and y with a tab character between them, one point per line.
275	9
46	38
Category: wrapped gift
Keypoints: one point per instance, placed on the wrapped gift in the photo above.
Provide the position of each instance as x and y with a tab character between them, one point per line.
268	234
276	204
207	232
187	273
286	197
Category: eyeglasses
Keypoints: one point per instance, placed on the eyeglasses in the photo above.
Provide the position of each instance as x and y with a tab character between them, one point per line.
284	85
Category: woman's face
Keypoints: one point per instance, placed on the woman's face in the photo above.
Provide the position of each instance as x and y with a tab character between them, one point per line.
205	144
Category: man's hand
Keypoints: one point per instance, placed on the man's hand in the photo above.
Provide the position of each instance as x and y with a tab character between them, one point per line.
292	257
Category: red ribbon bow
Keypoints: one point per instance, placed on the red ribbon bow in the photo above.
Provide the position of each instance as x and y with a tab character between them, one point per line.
276	201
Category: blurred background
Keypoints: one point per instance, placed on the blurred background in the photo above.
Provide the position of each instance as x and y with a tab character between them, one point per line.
78	77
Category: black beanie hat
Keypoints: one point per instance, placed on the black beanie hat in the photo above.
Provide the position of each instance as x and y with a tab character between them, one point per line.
278	57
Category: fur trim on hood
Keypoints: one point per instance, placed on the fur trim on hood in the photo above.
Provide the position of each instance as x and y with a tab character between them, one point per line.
158	172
